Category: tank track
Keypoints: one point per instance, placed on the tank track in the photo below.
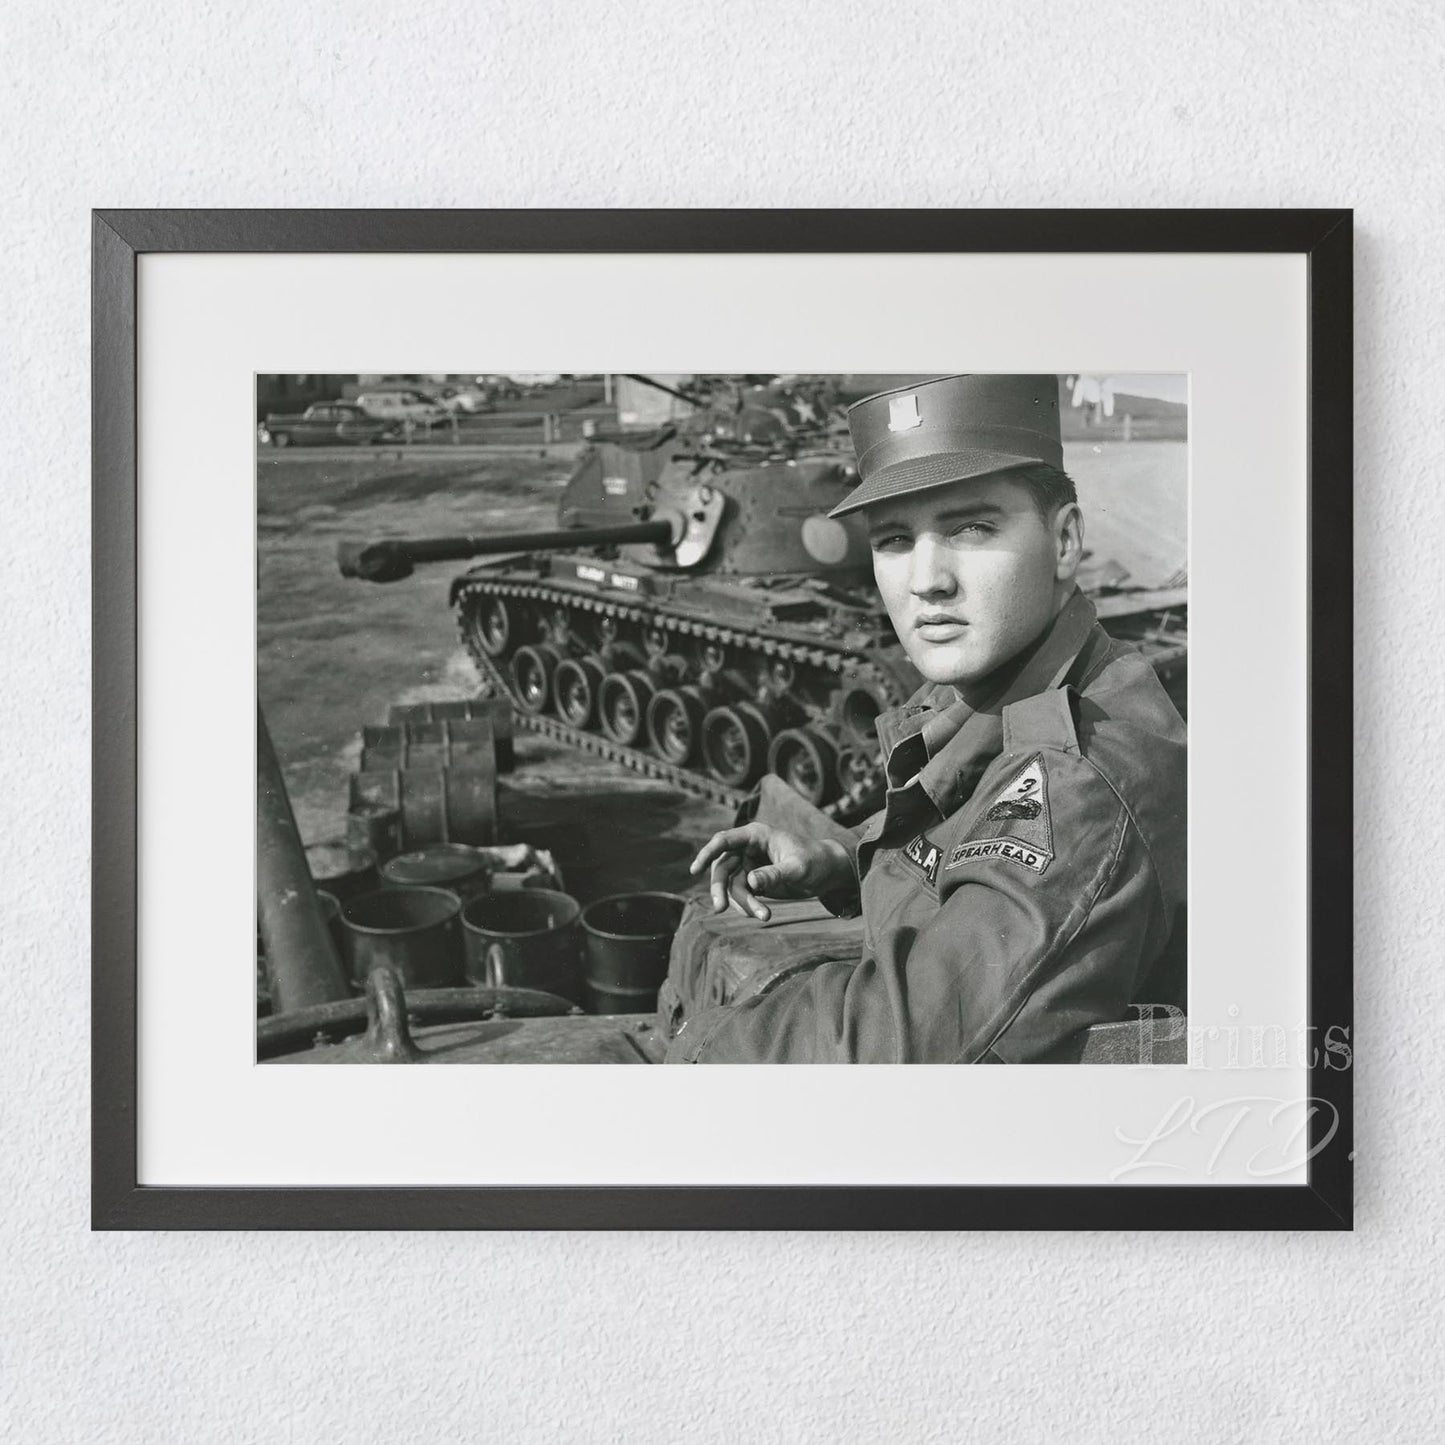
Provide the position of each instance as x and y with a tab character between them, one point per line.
846	664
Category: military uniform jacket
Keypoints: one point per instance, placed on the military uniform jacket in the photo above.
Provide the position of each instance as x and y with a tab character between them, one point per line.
1026	872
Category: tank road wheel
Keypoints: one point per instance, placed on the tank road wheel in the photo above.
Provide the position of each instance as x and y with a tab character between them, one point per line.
857	772
807	762
533	670
577	684
674	724
493	627
735	744
860	717
622	705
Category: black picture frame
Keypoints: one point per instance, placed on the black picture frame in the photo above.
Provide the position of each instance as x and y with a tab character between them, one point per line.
119	1201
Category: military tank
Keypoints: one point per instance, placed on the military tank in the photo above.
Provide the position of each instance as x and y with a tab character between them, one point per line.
697	615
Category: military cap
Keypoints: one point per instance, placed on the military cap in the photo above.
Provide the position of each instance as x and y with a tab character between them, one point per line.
950	429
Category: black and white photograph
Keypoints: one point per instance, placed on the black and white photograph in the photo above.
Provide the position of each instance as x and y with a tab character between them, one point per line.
722	718
823	714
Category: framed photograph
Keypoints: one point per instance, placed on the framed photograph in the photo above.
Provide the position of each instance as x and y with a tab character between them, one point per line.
892	641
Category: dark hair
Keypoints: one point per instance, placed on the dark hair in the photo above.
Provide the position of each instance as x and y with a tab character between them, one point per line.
1049	487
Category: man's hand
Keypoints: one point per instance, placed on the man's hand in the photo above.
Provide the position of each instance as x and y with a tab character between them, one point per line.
762	859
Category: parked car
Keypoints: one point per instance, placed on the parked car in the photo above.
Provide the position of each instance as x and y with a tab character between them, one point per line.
403	406
500	388
328	423
468	400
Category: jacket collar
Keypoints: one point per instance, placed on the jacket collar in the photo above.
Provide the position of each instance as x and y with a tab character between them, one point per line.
945	745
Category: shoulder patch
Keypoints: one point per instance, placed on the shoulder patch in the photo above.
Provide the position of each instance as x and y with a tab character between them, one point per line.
1009	848
925	857
1024	796
1015	826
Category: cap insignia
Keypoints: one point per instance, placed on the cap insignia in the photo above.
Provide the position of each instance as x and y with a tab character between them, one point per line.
903	413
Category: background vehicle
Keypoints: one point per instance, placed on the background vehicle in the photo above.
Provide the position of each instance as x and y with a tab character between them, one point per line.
500	388
468	400
327	424
412	406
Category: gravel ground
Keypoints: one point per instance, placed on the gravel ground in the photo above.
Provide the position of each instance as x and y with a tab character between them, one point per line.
334	654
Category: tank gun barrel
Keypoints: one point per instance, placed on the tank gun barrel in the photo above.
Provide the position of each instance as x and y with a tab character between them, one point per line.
391	560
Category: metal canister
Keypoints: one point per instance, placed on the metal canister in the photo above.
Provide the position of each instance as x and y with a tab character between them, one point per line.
629	937
413	930
445	744
374	828
496	710
463	870
525	939
342	871
437	805
331	912
509	881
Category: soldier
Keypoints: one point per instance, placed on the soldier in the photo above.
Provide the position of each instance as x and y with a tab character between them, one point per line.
1028	869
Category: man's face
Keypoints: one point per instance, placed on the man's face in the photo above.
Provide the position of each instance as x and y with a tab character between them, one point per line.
971	574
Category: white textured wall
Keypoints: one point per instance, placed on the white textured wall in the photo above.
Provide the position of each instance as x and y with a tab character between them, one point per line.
914	102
